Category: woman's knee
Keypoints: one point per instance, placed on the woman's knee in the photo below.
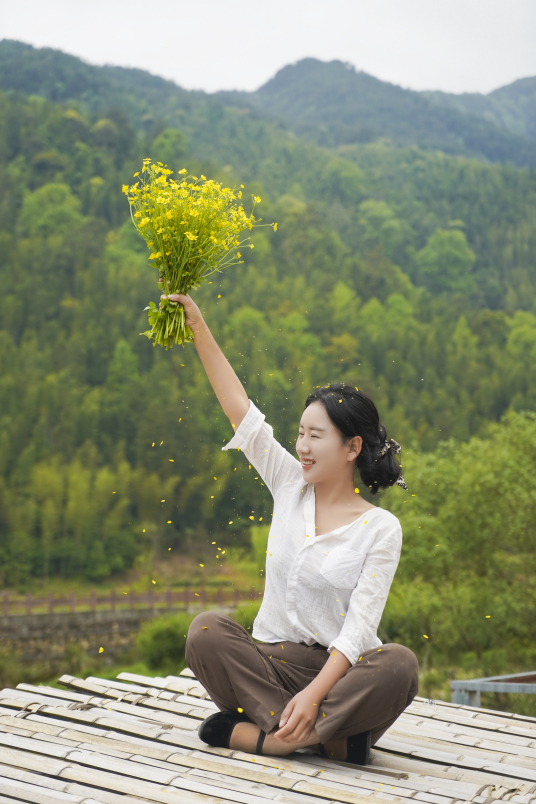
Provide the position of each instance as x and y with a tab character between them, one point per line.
406	663
206	632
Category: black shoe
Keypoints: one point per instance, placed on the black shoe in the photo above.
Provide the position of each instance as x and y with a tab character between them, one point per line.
357	749
216	729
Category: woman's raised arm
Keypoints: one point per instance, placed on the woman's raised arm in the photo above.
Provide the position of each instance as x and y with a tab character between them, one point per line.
231	393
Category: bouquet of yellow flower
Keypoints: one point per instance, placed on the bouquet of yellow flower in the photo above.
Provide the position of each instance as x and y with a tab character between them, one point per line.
192	227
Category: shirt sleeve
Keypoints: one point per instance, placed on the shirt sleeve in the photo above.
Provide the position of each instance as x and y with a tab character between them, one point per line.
368	599
255	437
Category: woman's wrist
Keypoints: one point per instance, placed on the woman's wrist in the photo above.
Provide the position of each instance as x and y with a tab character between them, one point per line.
316	691
199	327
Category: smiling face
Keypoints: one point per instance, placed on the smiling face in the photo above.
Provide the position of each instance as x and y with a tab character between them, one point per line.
320	449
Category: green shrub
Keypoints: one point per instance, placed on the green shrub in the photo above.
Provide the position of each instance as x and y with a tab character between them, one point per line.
162	641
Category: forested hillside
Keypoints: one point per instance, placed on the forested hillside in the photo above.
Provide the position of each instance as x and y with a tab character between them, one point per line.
407	272
333	104
329	103
512	107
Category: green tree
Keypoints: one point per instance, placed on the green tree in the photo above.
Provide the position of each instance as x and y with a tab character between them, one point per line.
51	210
444	264
171	148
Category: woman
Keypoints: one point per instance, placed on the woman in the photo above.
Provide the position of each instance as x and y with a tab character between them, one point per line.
320	677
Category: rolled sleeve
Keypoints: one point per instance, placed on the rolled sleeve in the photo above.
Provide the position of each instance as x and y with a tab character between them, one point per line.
255	438
368	599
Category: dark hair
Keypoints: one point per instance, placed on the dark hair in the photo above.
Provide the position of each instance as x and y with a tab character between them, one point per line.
357	415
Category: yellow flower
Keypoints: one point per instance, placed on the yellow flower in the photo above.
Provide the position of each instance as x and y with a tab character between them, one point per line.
275	227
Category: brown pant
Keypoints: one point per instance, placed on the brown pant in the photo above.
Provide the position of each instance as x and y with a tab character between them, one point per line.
262	678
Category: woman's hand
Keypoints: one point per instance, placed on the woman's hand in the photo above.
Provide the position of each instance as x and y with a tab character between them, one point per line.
193	313
298	718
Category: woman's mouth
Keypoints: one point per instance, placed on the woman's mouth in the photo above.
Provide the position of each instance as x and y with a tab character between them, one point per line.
307	464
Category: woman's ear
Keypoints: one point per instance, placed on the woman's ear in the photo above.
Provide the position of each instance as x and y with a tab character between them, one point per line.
355	444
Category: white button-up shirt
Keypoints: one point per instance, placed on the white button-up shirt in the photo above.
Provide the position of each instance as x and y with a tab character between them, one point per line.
329	589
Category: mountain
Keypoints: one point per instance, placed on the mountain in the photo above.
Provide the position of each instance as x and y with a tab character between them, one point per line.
512	107
406	192
331	104
334	104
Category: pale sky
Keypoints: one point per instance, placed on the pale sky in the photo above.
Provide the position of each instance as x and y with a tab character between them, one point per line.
453	45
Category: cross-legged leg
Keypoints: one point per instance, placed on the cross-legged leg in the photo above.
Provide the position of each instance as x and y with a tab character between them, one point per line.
234	671
239	674
371	695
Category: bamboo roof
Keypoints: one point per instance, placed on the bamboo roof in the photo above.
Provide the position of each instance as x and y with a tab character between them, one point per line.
135	740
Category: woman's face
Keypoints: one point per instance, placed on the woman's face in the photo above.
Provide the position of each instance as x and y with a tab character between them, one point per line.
319	446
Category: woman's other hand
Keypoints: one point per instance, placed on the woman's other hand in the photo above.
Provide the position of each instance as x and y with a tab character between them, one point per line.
298	718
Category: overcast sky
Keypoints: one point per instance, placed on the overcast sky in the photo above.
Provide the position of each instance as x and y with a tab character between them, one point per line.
453	45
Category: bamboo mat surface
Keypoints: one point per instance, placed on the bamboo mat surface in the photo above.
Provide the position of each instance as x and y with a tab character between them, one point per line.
135	739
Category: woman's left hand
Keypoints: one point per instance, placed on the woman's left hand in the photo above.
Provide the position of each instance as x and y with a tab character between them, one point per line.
298	718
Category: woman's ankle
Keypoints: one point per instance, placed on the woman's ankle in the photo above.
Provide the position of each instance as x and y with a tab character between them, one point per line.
336	749
244	737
